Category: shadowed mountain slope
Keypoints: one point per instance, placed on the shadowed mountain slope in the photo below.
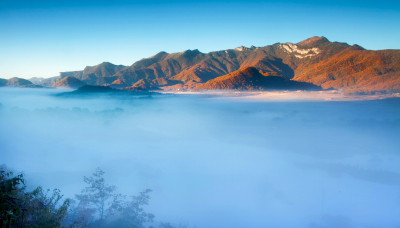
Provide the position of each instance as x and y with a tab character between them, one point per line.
3	82
69	82
95	89
249	78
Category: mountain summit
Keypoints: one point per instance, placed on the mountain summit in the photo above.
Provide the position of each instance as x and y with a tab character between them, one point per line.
313	41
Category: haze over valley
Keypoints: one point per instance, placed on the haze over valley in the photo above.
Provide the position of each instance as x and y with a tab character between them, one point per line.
213	162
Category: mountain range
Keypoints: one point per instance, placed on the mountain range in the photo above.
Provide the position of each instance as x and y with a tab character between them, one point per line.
315	60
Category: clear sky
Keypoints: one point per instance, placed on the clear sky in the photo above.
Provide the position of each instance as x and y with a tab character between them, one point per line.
43	38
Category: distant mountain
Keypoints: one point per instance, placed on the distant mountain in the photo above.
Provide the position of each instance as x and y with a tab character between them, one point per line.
47	82
315	60
94	75
35	80
249	78
18	82
69	82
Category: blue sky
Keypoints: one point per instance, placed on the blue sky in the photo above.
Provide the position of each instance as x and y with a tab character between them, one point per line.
42	38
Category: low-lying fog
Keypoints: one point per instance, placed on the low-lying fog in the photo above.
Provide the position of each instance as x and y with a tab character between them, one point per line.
215	162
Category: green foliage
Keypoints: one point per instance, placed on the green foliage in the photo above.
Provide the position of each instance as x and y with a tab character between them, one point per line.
10	206
35	209
42	208
97	206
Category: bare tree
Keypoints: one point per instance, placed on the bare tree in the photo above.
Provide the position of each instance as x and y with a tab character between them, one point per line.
102	198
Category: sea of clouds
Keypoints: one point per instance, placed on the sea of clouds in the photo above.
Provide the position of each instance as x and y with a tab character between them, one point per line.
215	162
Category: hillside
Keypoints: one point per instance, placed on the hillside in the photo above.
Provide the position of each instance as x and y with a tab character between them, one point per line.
249	78
69	82
96	75
357	69
118	84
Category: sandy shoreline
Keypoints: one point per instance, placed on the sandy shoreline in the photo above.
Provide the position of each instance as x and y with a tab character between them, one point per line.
331	95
